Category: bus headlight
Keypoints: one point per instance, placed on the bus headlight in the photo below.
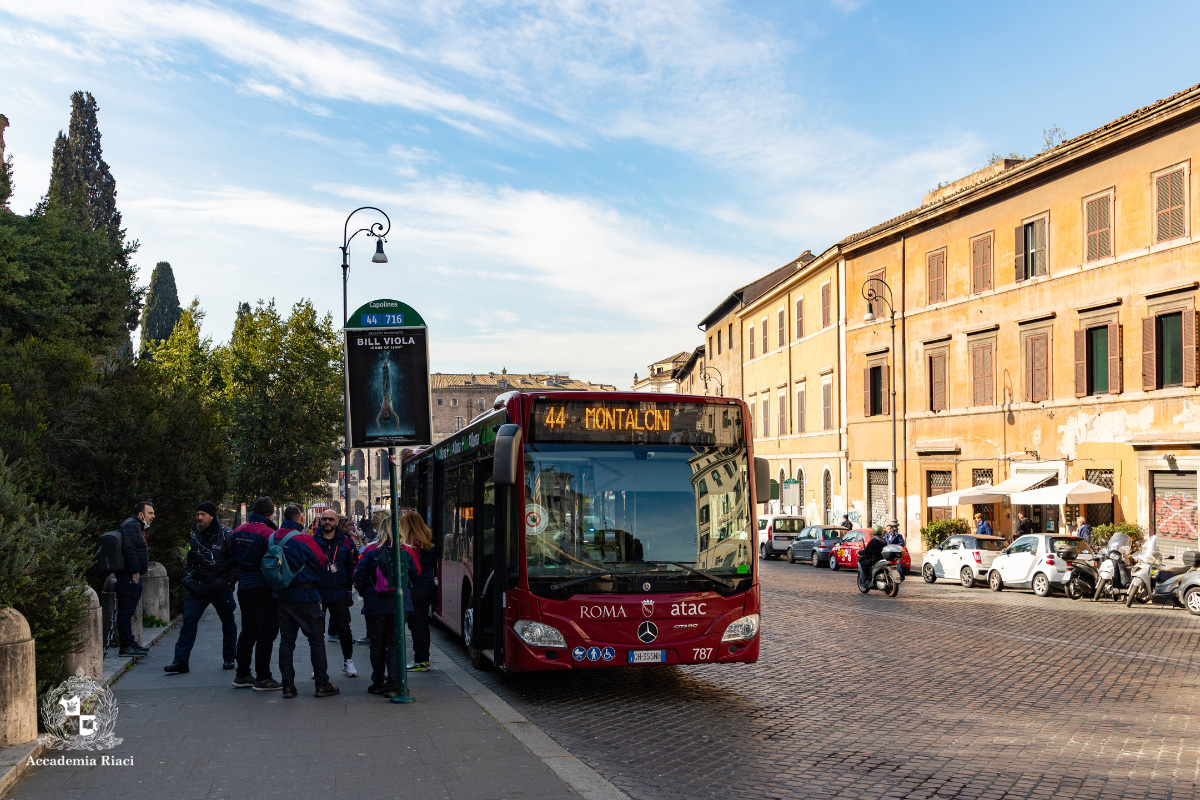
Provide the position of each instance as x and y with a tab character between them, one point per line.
741	630
539	634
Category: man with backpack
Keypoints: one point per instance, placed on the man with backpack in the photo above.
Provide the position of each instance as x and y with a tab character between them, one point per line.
260	618
209	576
136	556
341	557
292	566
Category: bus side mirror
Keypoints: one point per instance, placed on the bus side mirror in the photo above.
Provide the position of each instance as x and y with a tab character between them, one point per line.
506	468
762	480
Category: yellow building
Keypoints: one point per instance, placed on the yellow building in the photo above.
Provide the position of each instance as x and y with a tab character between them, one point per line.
1046	313
793	381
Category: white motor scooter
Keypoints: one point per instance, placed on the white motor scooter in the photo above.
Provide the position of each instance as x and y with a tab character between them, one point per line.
1113	579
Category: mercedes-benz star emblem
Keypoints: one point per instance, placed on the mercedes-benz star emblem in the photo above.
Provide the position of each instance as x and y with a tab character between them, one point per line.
646	586
647	632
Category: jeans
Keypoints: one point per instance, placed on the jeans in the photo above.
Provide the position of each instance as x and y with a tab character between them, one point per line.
339	624
128	594
193	609
260	625
309	619
418	621
381	628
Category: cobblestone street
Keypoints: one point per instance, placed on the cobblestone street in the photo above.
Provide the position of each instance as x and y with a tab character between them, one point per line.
941	692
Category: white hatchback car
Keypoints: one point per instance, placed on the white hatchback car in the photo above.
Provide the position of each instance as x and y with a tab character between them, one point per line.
1038	561
966	558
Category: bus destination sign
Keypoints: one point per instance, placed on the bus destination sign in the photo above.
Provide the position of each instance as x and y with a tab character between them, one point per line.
649	422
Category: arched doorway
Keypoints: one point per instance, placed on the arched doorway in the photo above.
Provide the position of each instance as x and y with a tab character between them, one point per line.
827	496
800	491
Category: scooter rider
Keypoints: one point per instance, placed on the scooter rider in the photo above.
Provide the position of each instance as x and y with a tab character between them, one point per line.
871	552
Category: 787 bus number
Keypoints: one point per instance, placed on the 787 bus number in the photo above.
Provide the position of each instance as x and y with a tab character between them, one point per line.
702	653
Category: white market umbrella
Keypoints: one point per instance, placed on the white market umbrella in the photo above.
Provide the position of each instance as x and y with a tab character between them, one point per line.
1063	495
963	497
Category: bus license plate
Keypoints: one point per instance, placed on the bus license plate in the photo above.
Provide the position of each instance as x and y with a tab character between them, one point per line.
647	656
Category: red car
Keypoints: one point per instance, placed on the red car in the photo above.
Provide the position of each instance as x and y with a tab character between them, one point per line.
845	552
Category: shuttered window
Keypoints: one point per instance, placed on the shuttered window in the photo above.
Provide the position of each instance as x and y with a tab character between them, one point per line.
800	318
875	390
1169	350
937	382
981	264
801	423
782	320
875	289
765	346
827	406
1097	215
935	276
729	338
1030	249
981	374
751	341
1169	206
1037	368
766	417
826	309
783	422
718	342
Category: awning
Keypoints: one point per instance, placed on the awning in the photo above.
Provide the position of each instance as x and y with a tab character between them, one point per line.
1021	482
1066	494
963	497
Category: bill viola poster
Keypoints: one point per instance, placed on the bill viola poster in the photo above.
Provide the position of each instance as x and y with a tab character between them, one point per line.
387	361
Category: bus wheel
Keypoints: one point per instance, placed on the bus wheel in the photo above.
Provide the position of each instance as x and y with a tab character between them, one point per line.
478	659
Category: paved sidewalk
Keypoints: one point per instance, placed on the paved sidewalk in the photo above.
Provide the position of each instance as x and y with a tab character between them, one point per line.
194	736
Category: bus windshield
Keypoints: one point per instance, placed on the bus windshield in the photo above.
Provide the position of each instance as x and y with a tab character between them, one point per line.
625	511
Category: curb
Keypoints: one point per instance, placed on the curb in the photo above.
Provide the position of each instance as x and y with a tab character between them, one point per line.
121	667
579	776
14	761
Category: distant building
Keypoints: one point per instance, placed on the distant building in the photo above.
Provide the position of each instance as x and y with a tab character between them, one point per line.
660	377
457	399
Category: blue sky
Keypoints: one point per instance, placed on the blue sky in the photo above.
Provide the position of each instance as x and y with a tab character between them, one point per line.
572	185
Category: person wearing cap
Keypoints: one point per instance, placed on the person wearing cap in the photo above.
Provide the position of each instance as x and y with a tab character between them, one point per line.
209	577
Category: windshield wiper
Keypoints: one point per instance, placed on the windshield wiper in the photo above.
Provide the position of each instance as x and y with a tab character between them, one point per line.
581	579
700	572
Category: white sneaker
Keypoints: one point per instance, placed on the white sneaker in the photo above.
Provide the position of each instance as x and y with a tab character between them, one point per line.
348	669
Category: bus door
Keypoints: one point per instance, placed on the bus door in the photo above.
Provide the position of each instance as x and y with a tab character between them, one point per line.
485	597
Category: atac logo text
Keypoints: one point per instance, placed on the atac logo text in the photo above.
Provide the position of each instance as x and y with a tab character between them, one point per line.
686	609
602	612
80	714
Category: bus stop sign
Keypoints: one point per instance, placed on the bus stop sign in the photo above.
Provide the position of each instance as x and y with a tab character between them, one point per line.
387	358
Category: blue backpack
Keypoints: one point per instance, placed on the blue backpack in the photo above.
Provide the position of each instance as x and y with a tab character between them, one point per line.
276	570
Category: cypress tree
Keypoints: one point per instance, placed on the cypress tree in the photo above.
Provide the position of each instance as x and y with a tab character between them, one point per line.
79	176
162	308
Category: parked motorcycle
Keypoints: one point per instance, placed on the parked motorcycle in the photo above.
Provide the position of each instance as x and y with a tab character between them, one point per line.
885	573
1113	575
1153	581
1083	576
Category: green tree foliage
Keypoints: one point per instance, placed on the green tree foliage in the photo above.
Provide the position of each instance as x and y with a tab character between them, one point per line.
283	382
1102	533
6	184
83	188
44	552
942	529
162	309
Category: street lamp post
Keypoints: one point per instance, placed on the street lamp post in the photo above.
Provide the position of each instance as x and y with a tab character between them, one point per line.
720	380
871	293
379	231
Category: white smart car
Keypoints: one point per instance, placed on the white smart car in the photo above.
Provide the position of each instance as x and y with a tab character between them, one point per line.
1039	561
966	559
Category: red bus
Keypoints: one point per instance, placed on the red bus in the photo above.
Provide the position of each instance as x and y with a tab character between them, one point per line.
585	529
